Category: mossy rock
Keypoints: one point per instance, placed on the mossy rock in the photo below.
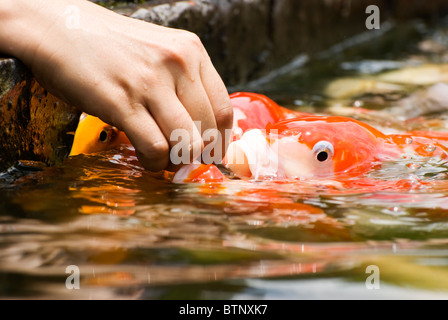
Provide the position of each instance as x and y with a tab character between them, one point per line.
35	125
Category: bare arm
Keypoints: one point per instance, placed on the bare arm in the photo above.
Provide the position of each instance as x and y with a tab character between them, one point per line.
145	79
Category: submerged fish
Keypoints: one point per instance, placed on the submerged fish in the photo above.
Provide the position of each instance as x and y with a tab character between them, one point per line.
272	142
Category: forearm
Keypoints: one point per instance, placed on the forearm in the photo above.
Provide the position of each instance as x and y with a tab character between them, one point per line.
37	28
22	25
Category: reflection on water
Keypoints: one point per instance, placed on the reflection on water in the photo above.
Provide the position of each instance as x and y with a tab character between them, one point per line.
134	235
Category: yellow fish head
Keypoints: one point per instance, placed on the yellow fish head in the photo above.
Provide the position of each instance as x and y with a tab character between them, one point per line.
93	135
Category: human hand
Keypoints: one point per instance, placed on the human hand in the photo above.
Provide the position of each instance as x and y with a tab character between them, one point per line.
144	79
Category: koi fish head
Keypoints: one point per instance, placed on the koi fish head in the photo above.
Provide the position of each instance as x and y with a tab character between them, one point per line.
255	111
307	147
93	135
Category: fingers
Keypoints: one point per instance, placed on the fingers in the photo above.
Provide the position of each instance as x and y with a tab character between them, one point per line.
150	144
196	102
177	126
163	132
219	100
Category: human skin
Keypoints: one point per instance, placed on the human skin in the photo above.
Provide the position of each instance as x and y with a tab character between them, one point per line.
144	79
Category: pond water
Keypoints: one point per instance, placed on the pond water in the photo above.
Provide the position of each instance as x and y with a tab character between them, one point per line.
133	235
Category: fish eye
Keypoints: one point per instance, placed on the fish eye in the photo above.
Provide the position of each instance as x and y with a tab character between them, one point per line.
323	151
103	136
107	134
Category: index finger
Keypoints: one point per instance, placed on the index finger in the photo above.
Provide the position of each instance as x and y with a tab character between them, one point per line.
219	99
150	144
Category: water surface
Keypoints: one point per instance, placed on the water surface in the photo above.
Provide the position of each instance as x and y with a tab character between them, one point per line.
134	235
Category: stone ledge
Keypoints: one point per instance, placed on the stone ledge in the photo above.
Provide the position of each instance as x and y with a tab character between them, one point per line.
245	39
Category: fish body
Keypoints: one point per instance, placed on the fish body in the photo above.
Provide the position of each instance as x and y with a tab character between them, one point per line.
272	142
293	145
331	147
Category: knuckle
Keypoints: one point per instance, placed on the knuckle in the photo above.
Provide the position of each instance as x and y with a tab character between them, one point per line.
146	75
183	51
192	39
174	56
191	43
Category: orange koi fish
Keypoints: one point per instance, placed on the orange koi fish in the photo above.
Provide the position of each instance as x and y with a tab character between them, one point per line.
93	135
272	142
324	147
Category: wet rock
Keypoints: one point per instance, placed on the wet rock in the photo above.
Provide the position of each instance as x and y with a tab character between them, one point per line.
346	88
427	101
393	81
422	75
235	32
34	124
248	39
